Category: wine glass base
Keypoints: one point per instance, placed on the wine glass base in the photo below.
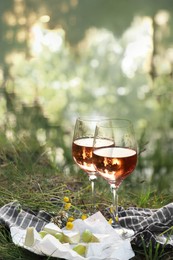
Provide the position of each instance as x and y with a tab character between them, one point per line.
125	233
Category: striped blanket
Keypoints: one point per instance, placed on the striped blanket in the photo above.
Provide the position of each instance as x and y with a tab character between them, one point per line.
150	225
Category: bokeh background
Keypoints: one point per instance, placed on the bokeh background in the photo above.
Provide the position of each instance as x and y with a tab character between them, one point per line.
63	58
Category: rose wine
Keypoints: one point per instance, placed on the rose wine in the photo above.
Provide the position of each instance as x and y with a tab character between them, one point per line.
82	150
114	163
82	153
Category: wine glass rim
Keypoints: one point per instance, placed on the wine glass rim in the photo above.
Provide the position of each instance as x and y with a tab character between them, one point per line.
122	122
91	118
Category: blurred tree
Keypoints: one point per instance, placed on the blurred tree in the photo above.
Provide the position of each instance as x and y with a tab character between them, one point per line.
90	69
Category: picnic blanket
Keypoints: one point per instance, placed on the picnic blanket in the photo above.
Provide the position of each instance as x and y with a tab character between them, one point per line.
148	224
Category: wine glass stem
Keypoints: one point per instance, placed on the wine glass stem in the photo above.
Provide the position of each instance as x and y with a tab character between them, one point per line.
93	178
93	191
115	204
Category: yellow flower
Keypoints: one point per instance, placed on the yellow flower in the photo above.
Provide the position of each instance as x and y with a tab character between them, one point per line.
110	221
83	216
69	225
66	199
70	219
67	206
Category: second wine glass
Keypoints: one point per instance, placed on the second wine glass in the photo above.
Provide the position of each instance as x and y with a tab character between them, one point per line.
82	147
114	155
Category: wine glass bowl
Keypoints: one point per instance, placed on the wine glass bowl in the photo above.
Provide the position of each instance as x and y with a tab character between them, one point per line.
114	163
114	153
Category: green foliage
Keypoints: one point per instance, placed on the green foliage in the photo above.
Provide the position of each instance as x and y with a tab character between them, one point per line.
41	97
155	252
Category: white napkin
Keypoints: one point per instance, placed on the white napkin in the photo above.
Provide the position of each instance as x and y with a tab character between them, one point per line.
111	245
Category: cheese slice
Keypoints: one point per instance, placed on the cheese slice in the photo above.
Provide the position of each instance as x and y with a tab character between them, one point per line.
29	238
52	229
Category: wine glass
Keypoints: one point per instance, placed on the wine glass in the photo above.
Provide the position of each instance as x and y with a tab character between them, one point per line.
114	155
82	147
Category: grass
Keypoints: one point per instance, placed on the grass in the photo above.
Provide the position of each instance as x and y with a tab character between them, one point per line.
34	183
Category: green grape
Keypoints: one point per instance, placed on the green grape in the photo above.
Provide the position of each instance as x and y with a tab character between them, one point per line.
59	236
80	249
71	237
43	233
87	236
